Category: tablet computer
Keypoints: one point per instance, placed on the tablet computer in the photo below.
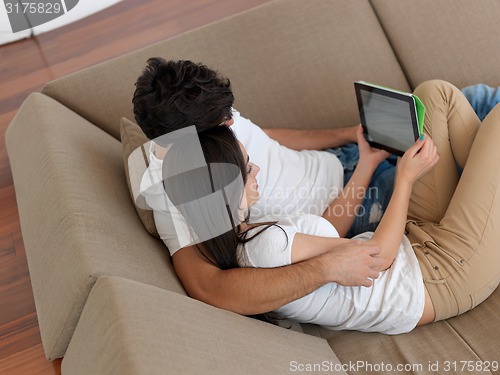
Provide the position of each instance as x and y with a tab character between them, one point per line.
392	120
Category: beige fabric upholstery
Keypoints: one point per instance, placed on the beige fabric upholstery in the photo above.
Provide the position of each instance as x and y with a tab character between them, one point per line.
128	328
468	337
76	214
291	65
479	329
133	143
453	40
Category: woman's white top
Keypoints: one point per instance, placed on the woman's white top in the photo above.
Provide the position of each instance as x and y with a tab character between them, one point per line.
393	304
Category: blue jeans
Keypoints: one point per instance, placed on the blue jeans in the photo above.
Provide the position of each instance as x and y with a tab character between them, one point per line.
482	99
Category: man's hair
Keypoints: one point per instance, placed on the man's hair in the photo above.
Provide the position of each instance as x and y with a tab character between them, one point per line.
171	95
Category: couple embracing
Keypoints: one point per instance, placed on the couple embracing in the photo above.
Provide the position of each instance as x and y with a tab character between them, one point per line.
272	220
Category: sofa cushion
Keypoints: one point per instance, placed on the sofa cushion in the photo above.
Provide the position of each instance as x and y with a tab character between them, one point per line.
292	63
454	40
135	159
131	328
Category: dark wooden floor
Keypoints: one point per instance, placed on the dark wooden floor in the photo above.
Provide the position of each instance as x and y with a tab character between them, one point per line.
24	67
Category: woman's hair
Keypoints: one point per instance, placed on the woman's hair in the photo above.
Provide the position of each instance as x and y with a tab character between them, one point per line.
171	95
220	183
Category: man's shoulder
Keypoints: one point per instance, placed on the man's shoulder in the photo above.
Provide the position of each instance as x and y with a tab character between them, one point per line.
242	123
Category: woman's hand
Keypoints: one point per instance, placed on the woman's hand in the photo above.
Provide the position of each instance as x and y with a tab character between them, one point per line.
417	160
371	156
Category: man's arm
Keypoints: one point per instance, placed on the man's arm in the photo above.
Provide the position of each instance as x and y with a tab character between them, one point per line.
251	291
313	139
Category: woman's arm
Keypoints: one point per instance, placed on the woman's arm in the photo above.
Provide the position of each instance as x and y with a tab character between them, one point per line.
343	210
389	232
417	161
305	246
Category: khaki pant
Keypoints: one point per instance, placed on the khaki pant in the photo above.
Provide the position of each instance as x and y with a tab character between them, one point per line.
454	221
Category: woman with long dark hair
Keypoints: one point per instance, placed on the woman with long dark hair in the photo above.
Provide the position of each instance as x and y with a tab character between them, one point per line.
438	236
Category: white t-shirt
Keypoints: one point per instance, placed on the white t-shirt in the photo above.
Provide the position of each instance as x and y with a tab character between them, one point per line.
290	182
393	304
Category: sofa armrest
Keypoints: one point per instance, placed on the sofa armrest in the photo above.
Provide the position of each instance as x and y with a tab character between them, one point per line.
132	328
78	221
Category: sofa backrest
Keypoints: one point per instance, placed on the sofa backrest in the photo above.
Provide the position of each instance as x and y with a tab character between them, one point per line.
292	63
453	40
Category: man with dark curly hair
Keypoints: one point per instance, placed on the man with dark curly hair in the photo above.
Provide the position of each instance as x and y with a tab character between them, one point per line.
171	95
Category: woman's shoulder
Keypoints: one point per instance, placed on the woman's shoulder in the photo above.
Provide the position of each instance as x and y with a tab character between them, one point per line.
266	245
270	231
271	245
313	225
302	223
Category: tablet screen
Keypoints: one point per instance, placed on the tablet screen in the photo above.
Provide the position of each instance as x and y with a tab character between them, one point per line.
388	120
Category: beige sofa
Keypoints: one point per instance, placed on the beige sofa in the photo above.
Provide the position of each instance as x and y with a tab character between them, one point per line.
106	294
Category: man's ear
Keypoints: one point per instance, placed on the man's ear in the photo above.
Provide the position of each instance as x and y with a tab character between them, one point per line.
228	122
